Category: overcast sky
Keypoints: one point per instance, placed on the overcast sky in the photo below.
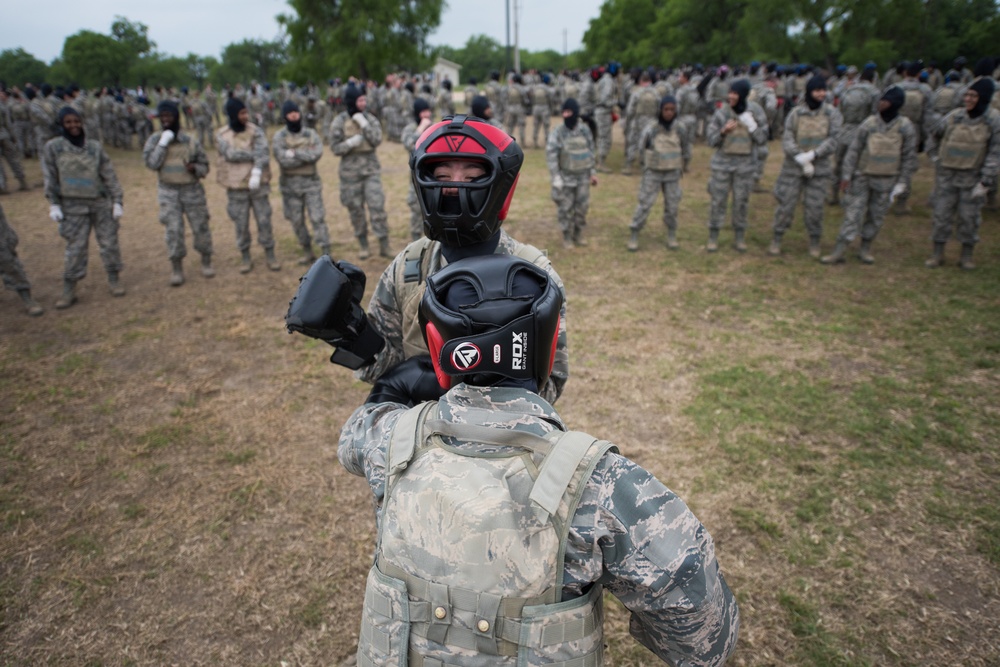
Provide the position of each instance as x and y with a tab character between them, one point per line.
204	27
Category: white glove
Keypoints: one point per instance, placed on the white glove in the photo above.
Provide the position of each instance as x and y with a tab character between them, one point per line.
166	137
117	211
808	170
747	119
354	141
979	191
360	119
254	182
290	153
55	212
897	190
805	158
557	182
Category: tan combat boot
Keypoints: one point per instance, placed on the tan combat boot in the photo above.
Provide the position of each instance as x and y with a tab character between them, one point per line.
633	241
246	262
177	272
206	266
937	259
114	286
272	261
837	256
33	307
68	297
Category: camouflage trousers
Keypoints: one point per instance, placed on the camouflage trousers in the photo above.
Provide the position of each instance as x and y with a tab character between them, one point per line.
205	135
689	123
787	190
602	117
41	137
238	205
356	195
80	216
301	194
516	123
541	116
720	185
92	126
572	203
24	133
650	187
763	152
11	269
865	206
109	134
635	130
394	124
9	151
416	214
175	202
952	199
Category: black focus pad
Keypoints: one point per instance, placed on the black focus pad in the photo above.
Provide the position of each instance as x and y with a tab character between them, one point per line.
327	304
409	382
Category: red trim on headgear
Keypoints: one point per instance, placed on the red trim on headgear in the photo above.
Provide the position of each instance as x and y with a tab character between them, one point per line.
434	344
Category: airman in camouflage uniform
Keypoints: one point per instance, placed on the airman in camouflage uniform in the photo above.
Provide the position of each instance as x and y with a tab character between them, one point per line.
737	130
297	149
84	194
8	147
201	112
642	110
244	169
665	150
542	98
762	93
515	97
528	539
968	159
688	101
43	111
569	153
604	103
494	93
413	130
22	127
809	142
482	109
12	270
354	136
878	168
445	101
181	164
857	101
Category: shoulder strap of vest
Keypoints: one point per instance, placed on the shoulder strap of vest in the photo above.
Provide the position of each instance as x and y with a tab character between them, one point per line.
405	437
413	261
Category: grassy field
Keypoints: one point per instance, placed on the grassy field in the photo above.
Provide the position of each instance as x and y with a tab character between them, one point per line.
170	494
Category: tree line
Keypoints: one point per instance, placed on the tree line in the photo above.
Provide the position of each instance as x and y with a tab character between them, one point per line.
370	38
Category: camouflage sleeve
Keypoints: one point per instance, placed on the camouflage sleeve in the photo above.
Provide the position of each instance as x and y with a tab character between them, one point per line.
110	178
231	154
853	153
988	173
364	442
761	134
336	136
50	171
385	315
373	133
261	157
313	150
152	153
829	145
788	143
409	137
908	162
633	104
685	144
658	559
713	135
552	146
278	148
199	158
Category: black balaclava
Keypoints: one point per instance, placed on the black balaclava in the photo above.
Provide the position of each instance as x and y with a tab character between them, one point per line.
233	108
480	103
896	98
170	107
288	107
30	93
985	89
667	99
815	83
351	95
742	88
914	68
574	107
984	67
419	104
76	141
45	89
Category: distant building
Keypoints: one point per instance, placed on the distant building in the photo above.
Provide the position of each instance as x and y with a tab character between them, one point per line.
445	69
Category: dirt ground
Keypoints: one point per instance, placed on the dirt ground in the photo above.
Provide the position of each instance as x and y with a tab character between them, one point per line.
169	488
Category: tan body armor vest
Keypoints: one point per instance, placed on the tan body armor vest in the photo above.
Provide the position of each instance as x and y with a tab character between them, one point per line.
478	571
293	141
174	169
664	152
514	96
913	105
737	142
883	152
963	146
351	128
79	171
855	104
575	155
539	96
648	103
812	130
236	175
944	99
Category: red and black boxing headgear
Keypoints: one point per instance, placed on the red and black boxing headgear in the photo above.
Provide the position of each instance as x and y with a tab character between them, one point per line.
481	205
489	316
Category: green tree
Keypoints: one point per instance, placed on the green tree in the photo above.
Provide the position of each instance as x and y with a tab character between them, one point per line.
17	67
365	38
92	59
158	69
480	56
250	60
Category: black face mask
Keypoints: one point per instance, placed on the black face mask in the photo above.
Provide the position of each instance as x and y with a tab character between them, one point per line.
294	127
572	106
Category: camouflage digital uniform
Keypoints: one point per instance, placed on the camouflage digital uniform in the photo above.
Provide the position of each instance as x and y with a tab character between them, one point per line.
542	98
180	193
604	103
11	268
494	93
792	182
23	128
394	305
571	172
688	102
680	605
201	112
952	196
656	180
762	93
86	202
867	200
43	116
301	187
640	112
857	102
409	138
240	198
733	165
9	150
514	102
361	175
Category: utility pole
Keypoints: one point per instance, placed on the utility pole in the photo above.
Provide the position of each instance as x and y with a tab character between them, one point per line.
517	48
507	61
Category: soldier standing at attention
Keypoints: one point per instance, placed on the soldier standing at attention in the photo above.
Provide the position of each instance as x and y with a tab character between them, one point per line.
604	102
84	194
542	95
297	150
665	150
878	168
11	269
809	141
421	121
354	135
858	100
244	170
8	146
181	164
569	153
514	98
641	111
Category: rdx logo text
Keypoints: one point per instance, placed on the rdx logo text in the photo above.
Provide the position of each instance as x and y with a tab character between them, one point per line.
517	350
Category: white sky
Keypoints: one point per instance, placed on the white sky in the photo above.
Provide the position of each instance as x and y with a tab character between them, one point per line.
204	27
